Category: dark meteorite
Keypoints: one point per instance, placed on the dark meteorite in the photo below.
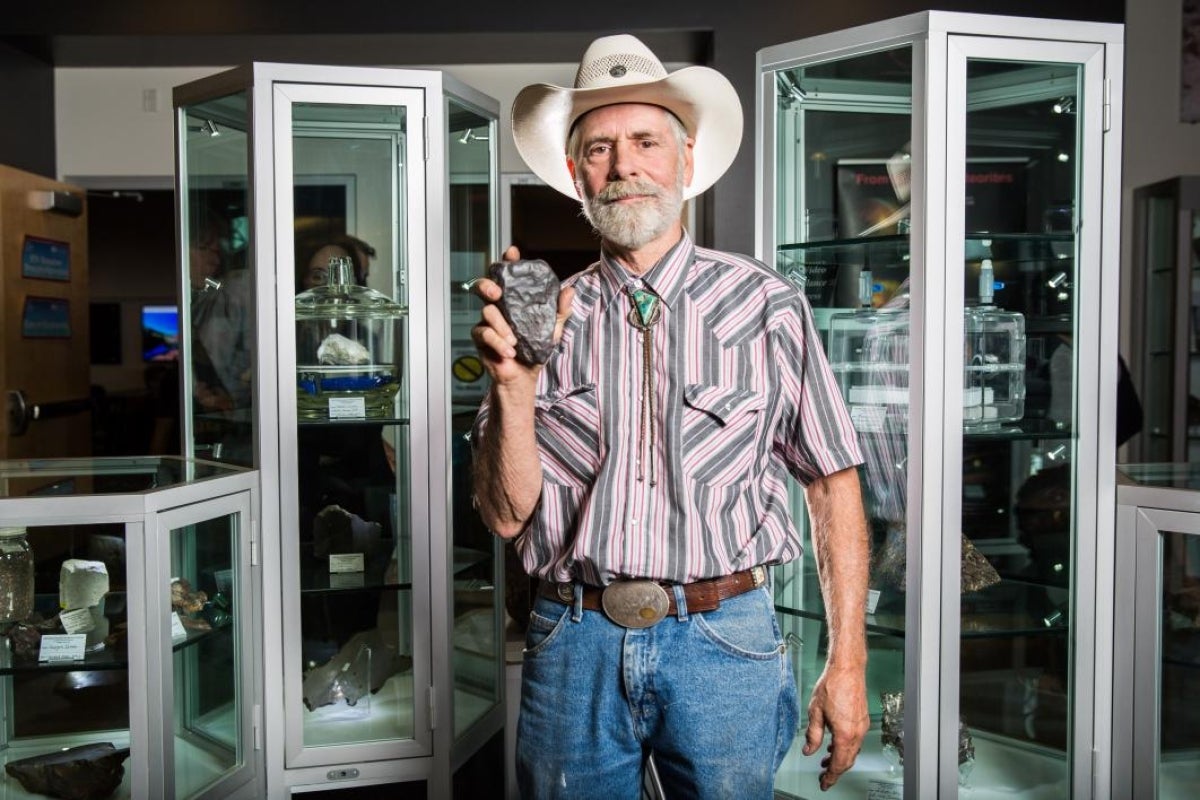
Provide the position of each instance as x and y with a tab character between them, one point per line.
529	304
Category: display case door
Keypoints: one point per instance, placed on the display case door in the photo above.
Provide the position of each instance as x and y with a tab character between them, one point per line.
1052	745
1160	759
348	123
208	729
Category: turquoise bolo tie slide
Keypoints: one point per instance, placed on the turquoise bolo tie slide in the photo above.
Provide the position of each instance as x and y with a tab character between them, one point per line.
646	309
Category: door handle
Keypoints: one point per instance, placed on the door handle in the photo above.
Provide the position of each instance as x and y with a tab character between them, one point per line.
21	412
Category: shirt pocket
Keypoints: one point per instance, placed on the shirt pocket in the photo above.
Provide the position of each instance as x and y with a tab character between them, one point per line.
568	435
722	433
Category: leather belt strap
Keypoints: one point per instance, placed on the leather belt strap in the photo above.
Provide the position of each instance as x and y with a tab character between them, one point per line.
701	596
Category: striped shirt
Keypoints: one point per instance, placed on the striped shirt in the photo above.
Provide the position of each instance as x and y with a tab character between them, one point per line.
743	396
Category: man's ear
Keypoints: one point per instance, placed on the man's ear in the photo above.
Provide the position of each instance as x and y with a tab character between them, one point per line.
574	178
689	160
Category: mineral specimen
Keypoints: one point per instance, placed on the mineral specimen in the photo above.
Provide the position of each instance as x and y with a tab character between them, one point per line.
337	350
184	599
336	530
363	664
529	304
88	772
81	584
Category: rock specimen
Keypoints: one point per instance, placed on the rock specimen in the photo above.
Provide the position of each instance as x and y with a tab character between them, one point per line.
529	304
363	664
184	599
337	350
336	530
81	584
88	772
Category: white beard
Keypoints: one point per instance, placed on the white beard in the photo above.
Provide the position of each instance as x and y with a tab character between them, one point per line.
631	228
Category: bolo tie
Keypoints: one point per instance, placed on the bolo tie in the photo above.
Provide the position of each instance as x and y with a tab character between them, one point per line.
644	314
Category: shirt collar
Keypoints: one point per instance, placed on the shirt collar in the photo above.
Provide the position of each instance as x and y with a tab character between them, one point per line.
666	279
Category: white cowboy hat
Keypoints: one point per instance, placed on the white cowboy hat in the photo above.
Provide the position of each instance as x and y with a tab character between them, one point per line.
621	69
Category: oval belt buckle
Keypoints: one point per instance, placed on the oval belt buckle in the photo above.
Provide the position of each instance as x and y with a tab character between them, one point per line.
635	604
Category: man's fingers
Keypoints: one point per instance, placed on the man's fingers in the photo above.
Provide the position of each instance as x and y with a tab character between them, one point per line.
843	750
485	336
511	254
815	732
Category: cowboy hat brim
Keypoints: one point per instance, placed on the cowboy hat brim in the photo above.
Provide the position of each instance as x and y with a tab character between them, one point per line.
702	98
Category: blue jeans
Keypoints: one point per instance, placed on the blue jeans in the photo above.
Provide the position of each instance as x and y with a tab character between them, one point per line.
711	695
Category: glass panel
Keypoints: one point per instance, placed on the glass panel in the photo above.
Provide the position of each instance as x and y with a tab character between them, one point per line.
1158	386
207	659
1019	416
476	654
51	576
1192	242
219	274
121	474
843	164
353	454
1179	731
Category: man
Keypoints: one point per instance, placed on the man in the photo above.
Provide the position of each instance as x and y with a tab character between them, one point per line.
643	469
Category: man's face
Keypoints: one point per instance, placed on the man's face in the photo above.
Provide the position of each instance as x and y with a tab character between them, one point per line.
631	172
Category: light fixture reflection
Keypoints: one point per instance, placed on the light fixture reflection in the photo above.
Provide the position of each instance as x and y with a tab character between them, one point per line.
1065	105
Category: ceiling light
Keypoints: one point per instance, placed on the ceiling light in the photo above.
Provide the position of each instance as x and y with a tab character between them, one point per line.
1065	105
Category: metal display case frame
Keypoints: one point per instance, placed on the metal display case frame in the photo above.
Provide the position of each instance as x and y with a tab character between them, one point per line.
155	496
421	273
936	48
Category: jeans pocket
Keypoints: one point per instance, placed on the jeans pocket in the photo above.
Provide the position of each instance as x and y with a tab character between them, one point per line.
744	626
546	621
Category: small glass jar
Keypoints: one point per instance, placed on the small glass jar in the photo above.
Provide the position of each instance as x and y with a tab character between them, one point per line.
16	576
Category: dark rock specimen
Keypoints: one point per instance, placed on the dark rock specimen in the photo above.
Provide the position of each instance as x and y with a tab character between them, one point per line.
88	772
530	304
337	531
363	664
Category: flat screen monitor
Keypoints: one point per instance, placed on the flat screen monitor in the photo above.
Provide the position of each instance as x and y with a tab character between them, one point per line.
160	333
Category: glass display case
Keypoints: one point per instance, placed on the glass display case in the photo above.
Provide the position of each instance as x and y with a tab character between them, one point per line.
129	611
942	188
1156	719
328	341
1165	324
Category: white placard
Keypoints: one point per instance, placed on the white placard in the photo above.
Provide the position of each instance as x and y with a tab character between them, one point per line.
62	647
347	407
177	629
872	600
883	790
77	621
346	580
224	580
346	562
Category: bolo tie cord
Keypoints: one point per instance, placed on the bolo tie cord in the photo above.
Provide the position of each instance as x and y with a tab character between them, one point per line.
644	314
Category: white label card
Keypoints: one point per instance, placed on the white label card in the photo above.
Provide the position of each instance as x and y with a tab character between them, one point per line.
346	562
347	407
177	629
77	621
872	600
882	790
62	647
346	580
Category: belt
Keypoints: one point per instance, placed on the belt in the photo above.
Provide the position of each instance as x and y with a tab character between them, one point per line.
642	603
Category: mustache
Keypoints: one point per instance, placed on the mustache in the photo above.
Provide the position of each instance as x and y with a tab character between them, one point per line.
627	188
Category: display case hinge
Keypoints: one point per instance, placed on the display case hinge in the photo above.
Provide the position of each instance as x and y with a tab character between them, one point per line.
256	726
253	542
1106	109
431	695
425	138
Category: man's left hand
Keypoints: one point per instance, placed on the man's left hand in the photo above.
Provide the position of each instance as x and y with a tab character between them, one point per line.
839	704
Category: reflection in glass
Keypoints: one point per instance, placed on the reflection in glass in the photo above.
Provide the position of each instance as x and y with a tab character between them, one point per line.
477	651
1019	423
207	656
218	278
842	224
352	468
1179	724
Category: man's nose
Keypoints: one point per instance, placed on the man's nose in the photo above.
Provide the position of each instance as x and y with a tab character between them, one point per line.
624	161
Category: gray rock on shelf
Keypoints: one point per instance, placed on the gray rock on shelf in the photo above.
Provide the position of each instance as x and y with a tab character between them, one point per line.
362	666
87	772
529	304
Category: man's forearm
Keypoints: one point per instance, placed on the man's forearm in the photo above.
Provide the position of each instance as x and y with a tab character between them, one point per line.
839	536
508	470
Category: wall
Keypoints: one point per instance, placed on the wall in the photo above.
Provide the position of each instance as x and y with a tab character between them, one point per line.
1157	145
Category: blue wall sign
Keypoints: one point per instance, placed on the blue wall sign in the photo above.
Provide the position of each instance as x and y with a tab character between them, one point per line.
45	258
46	318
